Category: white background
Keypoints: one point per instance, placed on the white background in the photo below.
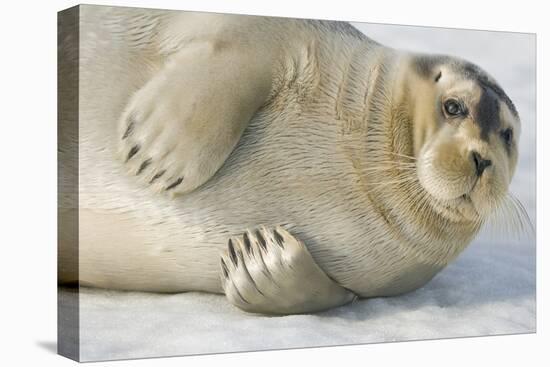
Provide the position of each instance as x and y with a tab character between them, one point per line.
28	182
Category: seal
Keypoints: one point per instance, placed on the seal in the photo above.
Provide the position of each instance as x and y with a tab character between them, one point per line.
298	161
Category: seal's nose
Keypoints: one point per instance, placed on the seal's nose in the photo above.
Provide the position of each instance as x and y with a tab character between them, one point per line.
480	163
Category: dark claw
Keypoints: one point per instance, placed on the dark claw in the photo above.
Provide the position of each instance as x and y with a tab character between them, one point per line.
129	129
132	152
144	165
175	183
232	254
278	238
247	243
224	269
157	176
261	239
241	296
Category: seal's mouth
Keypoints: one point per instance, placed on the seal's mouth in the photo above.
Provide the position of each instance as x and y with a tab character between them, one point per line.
467	201
460	209
459	188
452	192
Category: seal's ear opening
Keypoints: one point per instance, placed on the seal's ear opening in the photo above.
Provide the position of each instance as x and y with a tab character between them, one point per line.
438	76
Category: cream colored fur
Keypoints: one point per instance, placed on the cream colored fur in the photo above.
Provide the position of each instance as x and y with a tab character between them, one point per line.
276	122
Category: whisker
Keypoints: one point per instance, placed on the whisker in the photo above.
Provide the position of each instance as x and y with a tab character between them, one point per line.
523	216
392	182
401	155
391	170
509	218
392	163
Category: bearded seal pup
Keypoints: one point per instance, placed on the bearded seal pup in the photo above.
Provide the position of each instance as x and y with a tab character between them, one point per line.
293	165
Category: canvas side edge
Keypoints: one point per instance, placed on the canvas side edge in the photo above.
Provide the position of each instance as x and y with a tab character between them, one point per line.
68	325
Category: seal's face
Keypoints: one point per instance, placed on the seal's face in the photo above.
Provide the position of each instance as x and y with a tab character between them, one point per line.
466	143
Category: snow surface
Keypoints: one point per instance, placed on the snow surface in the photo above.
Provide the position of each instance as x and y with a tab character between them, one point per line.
488	290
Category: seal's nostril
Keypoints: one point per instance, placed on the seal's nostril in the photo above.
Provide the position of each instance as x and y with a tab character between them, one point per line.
480	163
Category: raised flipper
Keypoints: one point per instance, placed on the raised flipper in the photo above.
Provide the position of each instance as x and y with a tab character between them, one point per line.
179	128
271	272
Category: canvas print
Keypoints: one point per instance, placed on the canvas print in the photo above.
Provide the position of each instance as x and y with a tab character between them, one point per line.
240	183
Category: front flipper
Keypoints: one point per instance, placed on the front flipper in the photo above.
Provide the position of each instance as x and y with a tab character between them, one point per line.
271	272
179	128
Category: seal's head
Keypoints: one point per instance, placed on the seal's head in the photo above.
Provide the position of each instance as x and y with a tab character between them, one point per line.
465	132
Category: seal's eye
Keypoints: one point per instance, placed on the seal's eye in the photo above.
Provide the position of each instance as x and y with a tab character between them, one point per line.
507	136
453	108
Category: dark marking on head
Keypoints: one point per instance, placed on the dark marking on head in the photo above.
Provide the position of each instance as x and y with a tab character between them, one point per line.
246	241
487	112
438	76
261	239
157	176
278	239
144	165
174	184
132	152
232	254
478	74
425	66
